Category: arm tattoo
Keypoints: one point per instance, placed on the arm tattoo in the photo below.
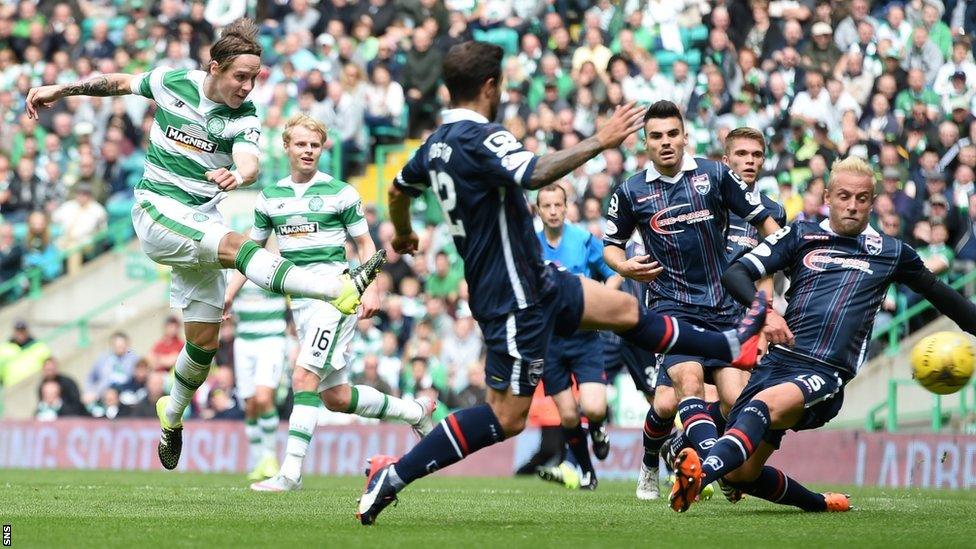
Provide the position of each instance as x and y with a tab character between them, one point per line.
552	166
99	86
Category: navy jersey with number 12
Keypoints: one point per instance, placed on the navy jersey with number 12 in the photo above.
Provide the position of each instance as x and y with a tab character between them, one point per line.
477	170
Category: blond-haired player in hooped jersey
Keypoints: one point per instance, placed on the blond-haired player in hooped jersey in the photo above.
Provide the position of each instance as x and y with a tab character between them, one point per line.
312	214
203	141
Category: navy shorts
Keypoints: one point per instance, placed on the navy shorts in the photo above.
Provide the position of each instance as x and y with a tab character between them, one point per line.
619	353
580	354
517	343
822	387
703	317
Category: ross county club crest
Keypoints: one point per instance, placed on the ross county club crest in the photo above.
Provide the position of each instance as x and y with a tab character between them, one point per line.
873	244
701	183
315	204
215	125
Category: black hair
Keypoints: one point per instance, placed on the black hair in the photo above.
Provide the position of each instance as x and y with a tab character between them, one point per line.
663	109
468	66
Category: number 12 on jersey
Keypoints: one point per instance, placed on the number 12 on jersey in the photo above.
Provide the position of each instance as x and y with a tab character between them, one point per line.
444	191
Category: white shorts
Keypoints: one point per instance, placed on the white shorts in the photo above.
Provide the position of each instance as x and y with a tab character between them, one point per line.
186	239
324	334
258	363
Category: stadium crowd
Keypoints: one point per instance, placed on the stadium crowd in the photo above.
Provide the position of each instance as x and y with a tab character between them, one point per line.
891	81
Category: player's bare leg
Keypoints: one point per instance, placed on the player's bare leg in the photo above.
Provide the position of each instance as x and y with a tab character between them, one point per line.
593	402
608	309
575	435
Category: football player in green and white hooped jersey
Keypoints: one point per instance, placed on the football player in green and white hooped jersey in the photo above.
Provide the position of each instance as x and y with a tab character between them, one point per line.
312	214
202	142
259	358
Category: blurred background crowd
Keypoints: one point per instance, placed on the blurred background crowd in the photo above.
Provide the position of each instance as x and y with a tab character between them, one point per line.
891	81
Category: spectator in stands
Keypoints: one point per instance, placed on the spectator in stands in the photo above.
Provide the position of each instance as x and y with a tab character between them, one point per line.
50	402
134	390
965	250
68	393
21	336
370	375
221	400
846	34
112	368
80	218
475	392
146	407
384	99
162	356
421	74
108	406
11	258
40	251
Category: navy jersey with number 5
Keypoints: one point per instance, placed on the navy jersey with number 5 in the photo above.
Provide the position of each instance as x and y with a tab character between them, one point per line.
683	221
477	170
837	284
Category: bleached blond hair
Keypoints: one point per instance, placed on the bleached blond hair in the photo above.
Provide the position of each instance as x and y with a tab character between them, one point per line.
851	165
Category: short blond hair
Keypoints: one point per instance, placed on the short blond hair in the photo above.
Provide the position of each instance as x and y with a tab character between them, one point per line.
304	121
851	165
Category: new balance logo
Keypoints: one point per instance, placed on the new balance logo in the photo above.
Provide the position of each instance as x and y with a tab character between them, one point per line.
178	104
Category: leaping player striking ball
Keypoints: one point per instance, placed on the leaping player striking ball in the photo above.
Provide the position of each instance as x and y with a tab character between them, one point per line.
204	142
478	171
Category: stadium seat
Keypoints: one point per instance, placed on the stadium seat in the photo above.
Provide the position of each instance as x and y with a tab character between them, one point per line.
505	38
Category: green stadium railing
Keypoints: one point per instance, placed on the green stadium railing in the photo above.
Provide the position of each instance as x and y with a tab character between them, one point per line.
83	323
117	234
938	415
379	159
898	326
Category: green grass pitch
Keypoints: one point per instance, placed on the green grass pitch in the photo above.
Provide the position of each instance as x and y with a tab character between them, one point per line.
128	509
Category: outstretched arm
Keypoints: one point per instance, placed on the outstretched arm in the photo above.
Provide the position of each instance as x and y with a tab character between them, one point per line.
626	120
405	241
100	86
952	304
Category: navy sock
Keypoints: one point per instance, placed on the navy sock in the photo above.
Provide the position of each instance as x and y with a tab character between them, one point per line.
738	443
568	456
773	485
455	437
656	429
661	333
715	410
578	446
697	424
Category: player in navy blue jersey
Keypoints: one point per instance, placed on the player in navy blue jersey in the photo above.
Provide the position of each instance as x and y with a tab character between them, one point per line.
839	271
577	357
745	153
478	172
680	206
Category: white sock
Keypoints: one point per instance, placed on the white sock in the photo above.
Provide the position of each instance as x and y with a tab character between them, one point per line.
277	274
301	427
268	424
192	368
368	402
253	433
